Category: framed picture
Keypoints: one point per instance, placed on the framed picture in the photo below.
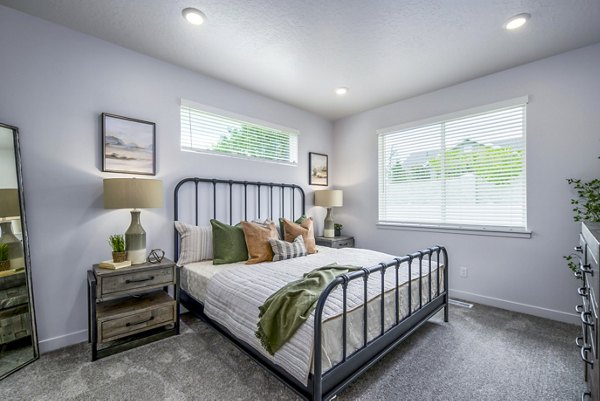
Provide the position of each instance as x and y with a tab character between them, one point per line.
317	169
128	145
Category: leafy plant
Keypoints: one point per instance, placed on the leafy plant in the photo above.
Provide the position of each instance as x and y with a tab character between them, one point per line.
337	226
585	207
3	251
587	204
117	242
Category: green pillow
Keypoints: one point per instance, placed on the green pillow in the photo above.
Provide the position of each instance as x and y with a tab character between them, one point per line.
229	243
281	232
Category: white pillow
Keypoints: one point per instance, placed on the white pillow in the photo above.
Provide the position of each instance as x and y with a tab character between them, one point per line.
196	243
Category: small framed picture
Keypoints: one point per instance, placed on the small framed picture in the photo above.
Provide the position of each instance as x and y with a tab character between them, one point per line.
128	145
318	169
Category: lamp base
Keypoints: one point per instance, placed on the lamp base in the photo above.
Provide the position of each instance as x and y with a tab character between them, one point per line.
135	240
328	228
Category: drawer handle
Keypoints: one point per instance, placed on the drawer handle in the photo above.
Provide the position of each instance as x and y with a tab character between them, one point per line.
578	249
586	269
579	308
579	342
586	394
583	291
584	351
139	280
578	274
140	322
342	243
584	319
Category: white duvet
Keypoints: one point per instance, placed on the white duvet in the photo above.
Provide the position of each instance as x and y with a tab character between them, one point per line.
233	294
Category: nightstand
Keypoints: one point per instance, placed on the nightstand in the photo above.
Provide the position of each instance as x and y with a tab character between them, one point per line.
131	306
336	242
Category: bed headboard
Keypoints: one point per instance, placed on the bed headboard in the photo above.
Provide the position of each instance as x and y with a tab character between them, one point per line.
197	200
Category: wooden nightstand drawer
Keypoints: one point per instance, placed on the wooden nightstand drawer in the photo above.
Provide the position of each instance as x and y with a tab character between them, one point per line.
135	280
336	242
349	243
117	319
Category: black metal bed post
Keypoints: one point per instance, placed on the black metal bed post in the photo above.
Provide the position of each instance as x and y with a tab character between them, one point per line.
446	290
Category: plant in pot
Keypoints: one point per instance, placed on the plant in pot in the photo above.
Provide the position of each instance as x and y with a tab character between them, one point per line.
117	243
337	228
4	261
586	207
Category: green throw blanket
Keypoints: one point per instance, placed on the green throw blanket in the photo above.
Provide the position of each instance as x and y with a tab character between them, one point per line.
285	311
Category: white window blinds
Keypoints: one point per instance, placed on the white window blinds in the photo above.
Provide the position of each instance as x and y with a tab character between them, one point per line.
465	171
208	130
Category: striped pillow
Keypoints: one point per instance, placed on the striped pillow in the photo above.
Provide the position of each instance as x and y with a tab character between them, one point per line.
196	243
287	250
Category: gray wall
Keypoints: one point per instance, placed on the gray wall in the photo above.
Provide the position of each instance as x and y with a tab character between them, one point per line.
563	140
54	84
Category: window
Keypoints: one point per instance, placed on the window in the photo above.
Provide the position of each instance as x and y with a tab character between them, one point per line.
462	171
208	130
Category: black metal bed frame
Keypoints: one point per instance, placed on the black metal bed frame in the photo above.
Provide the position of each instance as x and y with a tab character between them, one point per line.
326	385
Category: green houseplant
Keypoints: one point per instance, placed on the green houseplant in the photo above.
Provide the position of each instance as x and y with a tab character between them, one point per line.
586	206
4	261
117	243
337	229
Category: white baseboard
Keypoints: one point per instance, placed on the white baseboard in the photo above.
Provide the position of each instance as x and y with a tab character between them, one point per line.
50	344
517	307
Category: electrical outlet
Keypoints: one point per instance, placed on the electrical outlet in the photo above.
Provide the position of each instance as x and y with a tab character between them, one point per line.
464	272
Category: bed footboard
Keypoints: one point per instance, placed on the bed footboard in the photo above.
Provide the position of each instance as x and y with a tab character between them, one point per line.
325	385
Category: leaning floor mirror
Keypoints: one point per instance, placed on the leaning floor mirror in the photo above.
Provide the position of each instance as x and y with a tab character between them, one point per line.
18	340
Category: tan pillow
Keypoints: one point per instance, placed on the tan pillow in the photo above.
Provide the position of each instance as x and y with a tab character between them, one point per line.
257	240
305	229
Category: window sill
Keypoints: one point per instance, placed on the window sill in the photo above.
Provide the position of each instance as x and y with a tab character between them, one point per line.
456	230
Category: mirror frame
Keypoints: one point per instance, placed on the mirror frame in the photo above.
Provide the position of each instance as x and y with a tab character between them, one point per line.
26	255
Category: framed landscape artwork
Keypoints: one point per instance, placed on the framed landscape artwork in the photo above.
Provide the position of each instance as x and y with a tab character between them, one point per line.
128	145
318	169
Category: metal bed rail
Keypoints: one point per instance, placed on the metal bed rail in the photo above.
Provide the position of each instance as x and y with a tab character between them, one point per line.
326	384
258	203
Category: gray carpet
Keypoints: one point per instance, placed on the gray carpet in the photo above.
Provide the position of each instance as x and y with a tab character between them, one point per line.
482	354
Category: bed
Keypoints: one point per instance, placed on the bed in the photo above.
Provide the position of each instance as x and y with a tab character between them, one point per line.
359	317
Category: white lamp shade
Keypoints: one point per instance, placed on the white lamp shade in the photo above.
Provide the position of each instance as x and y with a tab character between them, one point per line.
132	193
329	198
9	203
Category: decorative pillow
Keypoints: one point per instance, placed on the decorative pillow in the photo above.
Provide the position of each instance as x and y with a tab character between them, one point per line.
292	230
281	228
229	244
257	241
287	250
196	243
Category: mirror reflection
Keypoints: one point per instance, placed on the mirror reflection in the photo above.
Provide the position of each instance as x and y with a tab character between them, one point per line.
17	344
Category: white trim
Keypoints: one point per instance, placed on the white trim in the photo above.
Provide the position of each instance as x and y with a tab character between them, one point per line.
484	231
539	311
241	117
51	344
455	115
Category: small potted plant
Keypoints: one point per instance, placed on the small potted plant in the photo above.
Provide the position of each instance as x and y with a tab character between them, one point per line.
4	261
337	229
117	243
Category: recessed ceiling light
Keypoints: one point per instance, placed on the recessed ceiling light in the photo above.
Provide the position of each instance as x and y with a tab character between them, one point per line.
341	91
517	21
193	16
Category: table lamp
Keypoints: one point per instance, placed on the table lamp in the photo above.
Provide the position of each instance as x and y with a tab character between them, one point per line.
133	193
329	198
9	211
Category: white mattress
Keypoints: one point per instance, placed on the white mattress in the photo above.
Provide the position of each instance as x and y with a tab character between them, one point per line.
218	287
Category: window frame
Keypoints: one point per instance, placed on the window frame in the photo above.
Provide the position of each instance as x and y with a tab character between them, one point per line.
485	230
244	119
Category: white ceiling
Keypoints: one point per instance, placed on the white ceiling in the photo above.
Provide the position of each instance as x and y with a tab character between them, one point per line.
299	51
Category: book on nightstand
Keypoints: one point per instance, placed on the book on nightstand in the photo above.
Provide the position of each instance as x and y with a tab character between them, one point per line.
109	264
